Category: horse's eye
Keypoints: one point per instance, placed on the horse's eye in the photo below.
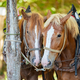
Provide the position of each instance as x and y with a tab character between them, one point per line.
59	35
27	31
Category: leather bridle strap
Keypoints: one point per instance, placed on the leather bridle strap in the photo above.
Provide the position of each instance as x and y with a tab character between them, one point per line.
58	51
29	50
24	28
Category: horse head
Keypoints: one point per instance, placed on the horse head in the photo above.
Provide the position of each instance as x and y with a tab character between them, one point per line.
55	38
33	24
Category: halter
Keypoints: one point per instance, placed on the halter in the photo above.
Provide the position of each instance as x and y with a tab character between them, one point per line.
58	51
28	49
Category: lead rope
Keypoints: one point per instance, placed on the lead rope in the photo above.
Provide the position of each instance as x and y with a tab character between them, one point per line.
32	64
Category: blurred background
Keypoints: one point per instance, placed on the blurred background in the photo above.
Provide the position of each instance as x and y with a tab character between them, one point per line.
41	6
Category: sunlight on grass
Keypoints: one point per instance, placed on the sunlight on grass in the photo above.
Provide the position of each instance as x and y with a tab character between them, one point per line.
55	77
5	75
40	77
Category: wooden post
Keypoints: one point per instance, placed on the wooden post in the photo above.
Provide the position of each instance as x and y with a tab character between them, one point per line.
13	49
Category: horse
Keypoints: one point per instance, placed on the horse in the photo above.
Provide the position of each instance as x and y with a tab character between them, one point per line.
33	24
59	40
2	18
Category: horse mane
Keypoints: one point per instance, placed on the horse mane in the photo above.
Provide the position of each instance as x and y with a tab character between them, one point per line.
36	19
20	24
71	23
2	18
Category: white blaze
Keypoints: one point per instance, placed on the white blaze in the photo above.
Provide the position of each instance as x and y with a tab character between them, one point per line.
48	43
36	46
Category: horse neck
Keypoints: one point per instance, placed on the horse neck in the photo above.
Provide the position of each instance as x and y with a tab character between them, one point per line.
69	51
20	24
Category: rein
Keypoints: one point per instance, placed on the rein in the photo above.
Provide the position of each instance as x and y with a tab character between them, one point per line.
58	51
70	68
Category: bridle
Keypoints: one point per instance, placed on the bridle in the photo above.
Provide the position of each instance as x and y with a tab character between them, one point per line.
75	60
25	42
58	51
29	49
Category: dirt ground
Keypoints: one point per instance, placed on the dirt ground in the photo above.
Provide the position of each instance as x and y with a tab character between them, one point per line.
2	77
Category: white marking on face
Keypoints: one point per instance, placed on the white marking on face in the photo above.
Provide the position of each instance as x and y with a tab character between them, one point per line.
48	43
36	46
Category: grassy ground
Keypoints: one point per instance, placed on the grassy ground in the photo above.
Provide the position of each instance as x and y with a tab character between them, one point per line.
3	77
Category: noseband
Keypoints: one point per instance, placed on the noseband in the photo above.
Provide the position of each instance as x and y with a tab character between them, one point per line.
58	51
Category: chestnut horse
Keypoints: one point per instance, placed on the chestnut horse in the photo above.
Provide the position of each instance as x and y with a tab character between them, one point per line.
60	32
33	35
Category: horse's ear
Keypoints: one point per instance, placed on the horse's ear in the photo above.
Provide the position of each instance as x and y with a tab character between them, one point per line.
25	16
43	33
64	19
45	18
48	14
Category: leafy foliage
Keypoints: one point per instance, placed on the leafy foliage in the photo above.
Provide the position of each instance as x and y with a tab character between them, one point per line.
3	4
42	6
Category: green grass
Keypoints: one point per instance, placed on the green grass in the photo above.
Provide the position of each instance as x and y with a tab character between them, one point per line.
5	75
55	77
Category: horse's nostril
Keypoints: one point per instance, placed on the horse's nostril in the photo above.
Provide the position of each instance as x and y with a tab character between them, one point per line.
40	59
49	62
33	60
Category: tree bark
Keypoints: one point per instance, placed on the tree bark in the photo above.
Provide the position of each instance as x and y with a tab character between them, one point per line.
13	49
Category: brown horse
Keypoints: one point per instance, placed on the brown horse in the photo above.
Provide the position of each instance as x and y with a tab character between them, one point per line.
60	32
34	24
2	18
33	30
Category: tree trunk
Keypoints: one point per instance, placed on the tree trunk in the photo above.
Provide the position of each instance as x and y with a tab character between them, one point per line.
13	49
